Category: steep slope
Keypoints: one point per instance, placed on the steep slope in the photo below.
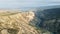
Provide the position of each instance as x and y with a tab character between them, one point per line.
49	20
17	23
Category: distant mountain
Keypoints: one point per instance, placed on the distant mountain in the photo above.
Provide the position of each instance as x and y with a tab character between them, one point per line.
41	7
50	7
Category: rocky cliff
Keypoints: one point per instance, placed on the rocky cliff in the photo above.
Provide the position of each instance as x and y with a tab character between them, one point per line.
17	23
30	22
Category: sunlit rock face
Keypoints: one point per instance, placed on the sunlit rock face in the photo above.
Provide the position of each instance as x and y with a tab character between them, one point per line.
17	23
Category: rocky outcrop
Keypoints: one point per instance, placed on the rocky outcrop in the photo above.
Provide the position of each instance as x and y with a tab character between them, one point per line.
17	23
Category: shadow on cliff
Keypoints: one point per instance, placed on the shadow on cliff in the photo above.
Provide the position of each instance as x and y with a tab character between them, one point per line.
48	19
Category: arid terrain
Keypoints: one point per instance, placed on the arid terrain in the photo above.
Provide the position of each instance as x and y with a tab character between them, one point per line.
30	22
17	23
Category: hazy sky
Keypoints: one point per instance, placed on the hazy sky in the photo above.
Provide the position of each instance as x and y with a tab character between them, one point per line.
27	3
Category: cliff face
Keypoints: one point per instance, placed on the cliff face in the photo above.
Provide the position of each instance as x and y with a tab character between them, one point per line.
17	23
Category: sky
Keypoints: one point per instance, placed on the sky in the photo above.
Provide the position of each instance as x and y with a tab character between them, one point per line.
27	3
